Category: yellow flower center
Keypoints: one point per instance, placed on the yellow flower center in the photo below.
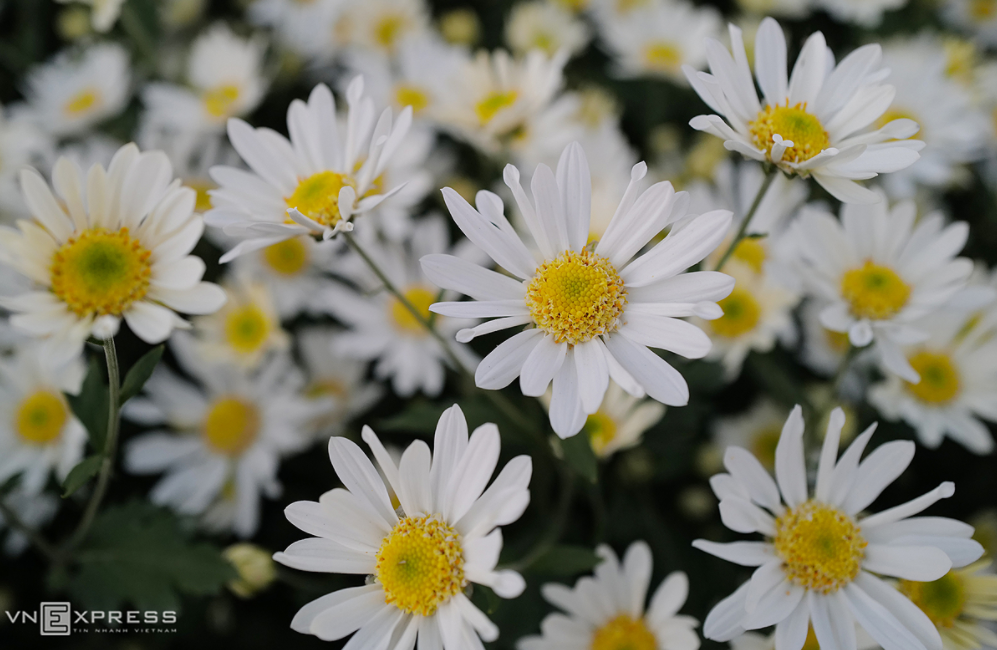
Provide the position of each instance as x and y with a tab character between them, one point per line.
601	430
873	291
420	565
544	41
81	102
763	444
317	197
961	59
40	417
624	633
231	426
488	107
741	314
942	601
822	547
982	9
752	252
388	29
838	341
420	298
576	297
409	95
327	388
899	114
288	257
202	186
792	123
247	328
662	56
939	377
218	101
100	272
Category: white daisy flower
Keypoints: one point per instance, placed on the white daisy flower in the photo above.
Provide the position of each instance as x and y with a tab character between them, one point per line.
219	445
545	26
120	252
304	28
957	365
820	560
962	604
39	434
246	330
34	510
76	90
103	13
312	184
867	14
382	329
877	272
979	17
592	311
225	80
659	39
815	123
620	422
421	558
381	25
607	611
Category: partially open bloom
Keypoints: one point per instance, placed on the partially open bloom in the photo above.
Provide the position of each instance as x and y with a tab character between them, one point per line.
819	562
607	611
312	184
420	558
813	123
962	604
592	310
120	253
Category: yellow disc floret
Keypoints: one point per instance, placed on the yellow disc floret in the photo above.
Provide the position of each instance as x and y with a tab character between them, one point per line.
821	546
420	565
939	377
874	292
741	314
420	298
624	633
763	444
792	123
494	102
231	425
100	272
409	95
219	100
83	101
317	197
943	600
288	257
246	328
601	430
40	417
662	56
576	297
752	252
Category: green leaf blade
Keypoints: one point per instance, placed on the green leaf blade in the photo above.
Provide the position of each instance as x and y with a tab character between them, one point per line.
79	475
139	373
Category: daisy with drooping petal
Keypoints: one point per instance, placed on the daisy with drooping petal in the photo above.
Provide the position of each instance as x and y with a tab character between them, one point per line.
219	445
119	253
820	560
812	124
962	604
71	93
607	611
312	184
877	272
421	558
592	311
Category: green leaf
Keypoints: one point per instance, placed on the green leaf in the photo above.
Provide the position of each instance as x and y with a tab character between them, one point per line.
79	475
139	554
92	403
140	373
580	457
563	560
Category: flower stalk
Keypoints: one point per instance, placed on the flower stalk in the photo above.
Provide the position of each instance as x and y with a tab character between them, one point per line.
742	231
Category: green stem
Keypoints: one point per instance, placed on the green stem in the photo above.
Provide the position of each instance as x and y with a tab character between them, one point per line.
743	230
133	26
16	523
108	453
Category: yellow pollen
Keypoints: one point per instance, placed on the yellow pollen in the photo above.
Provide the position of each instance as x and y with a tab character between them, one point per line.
40	417
624	633
899	114
939	377
752	252
662	56
763	444
576	297
82	102
317	197
409	95
494	102
420	565
943	600
218	101
822	547
247	328
288	257
792	123
601	430
202	186
741	314
231	426
388	29
874	292
98	272
420	298
982	9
